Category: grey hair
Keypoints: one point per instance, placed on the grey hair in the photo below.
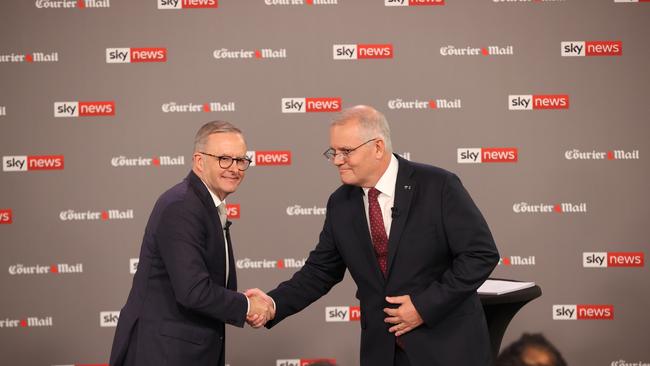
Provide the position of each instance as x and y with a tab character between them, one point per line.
372	122
210	128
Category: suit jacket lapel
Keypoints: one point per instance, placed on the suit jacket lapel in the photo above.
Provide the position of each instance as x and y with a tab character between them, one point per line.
360	226
404	191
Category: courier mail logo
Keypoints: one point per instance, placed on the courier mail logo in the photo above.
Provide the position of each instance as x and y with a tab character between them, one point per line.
6	216
71	4
517	260
576	154
530	102
303	361
30	57
106	215
3	111
269	157
362	51
38	269
301	2
424	104
108	318
476	155
583	312
342	313
612	259
84	109
565	207
24	163
187	4
173	107
413	2
451	50
260	53
591	48
26	322
302	105
135	55
156	161
248	263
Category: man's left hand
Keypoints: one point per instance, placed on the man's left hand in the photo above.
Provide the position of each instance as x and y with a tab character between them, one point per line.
405	317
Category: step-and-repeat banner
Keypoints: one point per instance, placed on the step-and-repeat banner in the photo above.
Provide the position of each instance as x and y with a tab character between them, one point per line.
539	106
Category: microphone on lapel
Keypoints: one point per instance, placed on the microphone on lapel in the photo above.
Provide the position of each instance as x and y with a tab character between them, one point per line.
227	227
394	212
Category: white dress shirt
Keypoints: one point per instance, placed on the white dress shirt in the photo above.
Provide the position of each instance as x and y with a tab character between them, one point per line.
385	185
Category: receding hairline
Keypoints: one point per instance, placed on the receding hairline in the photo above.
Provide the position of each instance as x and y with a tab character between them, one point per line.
211	128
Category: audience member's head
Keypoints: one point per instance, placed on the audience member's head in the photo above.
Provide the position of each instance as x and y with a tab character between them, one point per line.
531	350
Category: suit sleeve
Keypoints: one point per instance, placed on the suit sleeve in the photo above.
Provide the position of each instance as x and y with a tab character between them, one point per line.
473	255
323	269
181	237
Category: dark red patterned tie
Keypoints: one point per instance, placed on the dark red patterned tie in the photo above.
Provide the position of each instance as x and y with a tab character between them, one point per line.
377	230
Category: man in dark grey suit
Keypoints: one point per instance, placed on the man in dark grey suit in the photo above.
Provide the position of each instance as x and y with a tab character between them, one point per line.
415	244
185	289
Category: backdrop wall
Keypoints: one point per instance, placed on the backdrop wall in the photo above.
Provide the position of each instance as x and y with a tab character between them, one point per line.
539	106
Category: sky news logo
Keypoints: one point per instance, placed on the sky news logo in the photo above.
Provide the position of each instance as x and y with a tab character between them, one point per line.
261	158
30	57
530	102
22	163
303	105
233	210
303	361
156	161
342	313
583	312
248	263
612	259
362	51
6	216
413	2
27	322
173	107
576	154
517	260
591	48
187	4
108	318
72	4
84	109
133	265
61	268
135	55
525	207
468	155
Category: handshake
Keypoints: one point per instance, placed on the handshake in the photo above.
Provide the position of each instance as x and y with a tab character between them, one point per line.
262	308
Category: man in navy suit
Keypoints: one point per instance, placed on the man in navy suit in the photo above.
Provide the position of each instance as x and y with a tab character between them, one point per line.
185	289
415	244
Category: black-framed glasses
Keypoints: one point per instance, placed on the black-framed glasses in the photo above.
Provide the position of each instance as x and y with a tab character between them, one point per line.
226	161
331	154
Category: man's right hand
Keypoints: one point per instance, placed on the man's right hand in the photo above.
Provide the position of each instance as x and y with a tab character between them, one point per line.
261	308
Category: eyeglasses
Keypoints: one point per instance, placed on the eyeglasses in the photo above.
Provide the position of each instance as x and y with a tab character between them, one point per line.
331	154
226	161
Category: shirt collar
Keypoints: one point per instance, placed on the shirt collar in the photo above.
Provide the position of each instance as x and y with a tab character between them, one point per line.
216	199
388	180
